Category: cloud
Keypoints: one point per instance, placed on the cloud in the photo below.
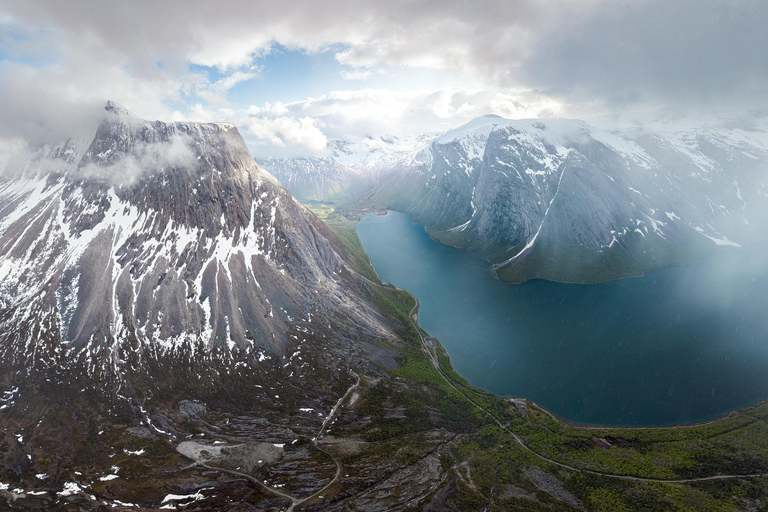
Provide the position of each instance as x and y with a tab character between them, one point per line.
356	74
198	84
230	33
226	83
51	104
303	127
381	111
687	52
286	136
524	57
176	152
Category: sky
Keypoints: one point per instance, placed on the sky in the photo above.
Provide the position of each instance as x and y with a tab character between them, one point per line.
294	74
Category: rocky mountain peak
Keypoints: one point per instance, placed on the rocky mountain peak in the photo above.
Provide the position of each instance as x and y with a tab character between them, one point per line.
117	109
165	235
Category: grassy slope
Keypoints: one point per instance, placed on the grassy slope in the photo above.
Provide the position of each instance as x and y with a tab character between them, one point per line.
486	466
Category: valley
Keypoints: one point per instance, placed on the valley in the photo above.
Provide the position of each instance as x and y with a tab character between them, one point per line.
156	386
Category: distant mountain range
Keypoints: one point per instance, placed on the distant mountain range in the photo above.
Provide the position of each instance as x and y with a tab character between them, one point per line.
563	200
350	169
375	156
317	179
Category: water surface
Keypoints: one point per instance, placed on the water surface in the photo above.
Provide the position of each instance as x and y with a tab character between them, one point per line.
681	344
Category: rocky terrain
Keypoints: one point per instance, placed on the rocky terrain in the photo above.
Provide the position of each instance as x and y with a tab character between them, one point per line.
164	236
159	262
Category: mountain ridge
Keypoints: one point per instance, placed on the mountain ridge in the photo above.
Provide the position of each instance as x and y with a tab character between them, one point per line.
235	273
501	187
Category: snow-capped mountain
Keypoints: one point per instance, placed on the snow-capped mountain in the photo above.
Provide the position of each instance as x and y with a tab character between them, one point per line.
316	179
375	156
158	238
564	200
351	167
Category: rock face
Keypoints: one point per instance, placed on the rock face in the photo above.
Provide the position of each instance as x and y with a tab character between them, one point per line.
317	179
561	199
163	236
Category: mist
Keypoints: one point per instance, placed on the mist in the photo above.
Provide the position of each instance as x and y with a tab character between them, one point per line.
124	169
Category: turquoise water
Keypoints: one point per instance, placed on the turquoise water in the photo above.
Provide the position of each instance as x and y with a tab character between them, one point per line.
681	344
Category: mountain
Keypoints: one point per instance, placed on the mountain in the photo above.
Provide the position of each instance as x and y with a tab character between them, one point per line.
316	179
377	155
157	284
177	332
563	200
106	243
351	167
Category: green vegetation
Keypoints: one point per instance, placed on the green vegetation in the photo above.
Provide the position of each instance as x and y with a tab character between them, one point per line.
736	445
323	209
349	246
395	305
417	399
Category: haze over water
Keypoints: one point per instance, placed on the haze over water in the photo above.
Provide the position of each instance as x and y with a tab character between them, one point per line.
681	344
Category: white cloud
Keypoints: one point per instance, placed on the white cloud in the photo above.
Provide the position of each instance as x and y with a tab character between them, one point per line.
290	135
269	109
143	157
50	103
226	83
356	74
527	57
379	111
304	127
485	36
9	148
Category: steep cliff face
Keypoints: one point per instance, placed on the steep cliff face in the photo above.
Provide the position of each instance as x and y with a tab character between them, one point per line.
159	288
532	194
158	237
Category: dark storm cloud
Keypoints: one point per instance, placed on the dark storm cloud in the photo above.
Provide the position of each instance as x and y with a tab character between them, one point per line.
687	52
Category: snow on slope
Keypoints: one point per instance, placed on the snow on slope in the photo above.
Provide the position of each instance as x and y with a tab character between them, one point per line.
198	248
498	183
376	155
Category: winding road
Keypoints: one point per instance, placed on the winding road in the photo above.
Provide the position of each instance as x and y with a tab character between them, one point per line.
432	351
433	356
294	500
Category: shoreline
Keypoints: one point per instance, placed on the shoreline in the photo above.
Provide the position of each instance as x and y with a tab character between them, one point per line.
382	213
573	424
433	356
